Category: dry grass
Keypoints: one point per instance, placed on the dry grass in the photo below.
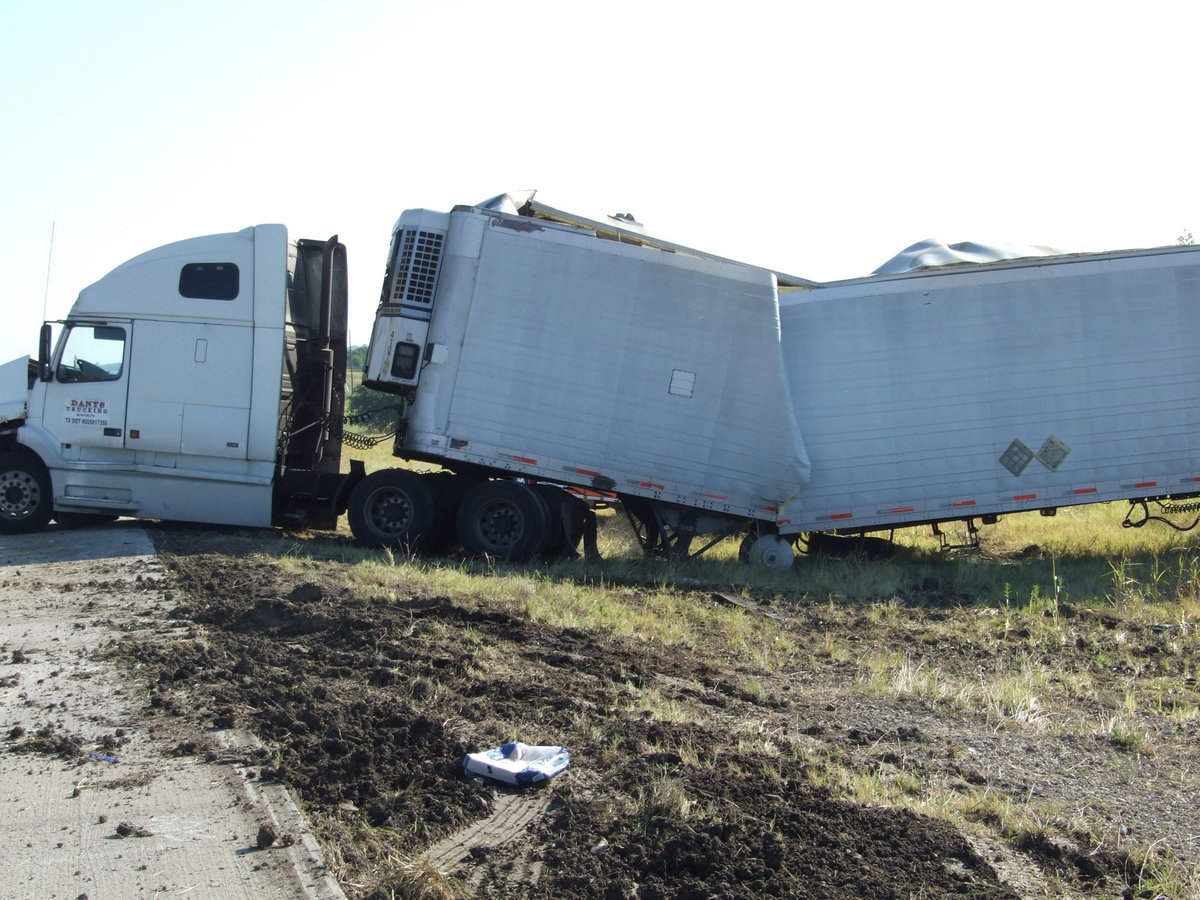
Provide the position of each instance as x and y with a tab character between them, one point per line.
352	846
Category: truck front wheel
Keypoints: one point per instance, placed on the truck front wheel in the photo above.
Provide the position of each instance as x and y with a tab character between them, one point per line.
392	508
25	501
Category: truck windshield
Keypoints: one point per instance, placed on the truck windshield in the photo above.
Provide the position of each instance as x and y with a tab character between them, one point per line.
92	353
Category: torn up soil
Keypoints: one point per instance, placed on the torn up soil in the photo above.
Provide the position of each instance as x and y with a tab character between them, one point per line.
366	711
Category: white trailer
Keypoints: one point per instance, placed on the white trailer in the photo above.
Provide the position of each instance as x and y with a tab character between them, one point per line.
527	347
711	396
536	355
985	389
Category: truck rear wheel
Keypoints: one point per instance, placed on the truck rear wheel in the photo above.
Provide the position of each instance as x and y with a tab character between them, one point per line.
392	508
566	513
25	501
448	491
502	519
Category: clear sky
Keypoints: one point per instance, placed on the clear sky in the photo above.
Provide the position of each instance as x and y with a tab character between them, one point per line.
818	138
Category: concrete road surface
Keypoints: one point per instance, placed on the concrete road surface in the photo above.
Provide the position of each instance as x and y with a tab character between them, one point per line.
83	762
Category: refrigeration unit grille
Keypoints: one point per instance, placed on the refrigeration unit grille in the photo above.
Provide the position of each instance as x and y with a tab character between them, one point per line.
417	262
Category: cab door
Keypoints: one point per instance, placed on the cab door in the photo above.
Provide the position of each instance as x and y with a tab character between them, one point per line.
189	392
85	401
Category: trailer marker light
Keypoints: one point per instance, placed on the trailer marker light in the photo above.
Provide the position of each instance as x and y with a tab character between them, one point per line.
1025	497
1088	490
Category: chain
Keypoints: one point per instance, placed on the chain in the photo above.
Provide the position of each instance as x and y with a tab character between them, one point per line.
365	415
337	430
1165	507
359	441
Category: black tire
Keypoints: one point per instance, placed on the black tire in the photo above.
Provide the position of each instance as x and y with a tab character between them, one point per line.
392	508
564	530
26	503
448	490
744	548
504	520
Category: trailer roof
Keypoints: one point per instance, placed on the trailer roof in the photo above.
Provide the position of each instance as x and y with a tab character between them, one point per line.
629	231
961	265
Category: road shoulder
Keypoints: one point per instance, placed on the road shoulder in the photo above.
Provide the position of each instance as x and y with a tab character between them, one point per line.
101	799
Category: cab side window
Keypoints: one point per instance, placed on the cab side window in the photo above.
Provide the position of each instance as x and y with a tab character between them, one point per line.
209	281
92	353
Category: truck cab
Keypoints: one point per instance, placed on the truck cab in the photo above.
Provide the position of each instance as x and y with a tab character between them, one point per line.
195	382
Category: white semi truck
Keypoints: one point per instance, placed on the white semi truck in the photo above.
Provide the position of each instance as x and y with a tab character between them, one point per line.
534	356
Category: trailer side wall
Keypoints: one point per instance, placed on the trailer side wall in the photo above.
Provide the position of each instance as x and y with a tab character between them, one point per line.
996	388
572	357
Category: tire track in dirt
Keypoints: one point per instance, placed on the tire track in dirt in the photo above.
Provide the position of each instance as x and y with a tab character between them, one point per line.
512	817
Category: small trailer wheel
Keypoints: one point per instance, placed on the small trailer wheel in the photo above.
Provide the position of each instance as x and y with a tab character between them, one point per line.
769	551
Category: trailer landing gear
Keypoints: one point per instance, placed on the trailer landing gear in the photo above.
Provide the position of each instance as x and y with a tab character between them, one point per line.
667	530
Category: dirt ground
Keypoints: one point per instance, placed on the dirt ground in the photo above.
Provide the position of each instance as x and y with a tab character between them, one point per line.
366	712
